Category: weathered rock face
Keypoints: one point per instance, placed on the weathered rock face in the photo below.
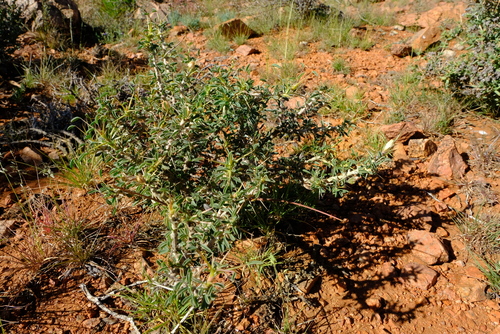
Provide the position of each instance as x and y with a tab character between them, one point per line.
63	15
424	38
428	247
402	131
447	162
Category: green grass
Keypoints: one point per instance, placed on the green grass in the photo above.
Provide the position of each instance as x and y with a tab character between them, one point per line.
412	96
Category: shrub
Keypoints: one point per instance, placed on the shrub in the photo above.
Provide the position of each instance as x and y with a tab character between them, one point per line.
476	74
10	27
214	153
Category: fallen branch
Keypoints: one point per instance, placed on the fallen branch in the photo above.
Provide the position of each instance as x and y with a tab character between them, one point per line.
112	313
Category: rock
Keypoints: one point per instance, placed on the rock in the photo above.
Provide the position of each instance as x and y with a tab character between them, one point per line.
428	247
471	289
235	27
63	15
401	131
91	323
399	152
398	27
418	275
424	38
246	50
178	30
449	53
6	227
387	270
30	157
441	12
374	303
447	162
474	272
400	50
441	232
421	148
155	11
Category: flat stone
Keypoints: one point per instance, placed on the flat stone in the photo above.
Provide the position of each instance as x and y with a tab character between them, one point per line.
446	161
400	50
30	157
424	38
7	227
402	131
246	50
471	289
428	247
418	275
91	323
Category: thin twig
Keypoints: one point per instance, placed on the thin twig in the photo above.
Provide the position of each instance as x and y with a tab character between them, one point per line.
97	301
182	320
301	205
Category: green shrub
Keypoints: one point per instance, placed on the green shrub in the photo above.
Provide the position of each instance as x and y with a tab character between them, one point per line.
11	26
214	153
476	74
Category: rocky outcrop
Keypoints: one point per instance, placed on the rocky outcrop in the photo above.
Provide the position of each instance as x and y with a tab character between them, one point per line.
61	15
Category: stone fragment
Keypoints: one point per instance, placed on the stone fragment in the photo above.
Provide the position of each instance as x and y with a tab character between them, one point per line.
471	289
441	232
155	11
399	152
401	131
418	275
447	162
424	38
235	27
306	286
91	323
374	303
449	53
387	270
246	50
398	27
474	272
6	227
421	148
428	247
62	15
400	50
30	157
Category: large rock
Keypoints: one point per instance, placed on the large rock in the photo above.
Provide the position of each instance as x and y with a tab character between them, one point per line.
447	162
443	11
428	247
418	275
424	38
62	15
401	131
